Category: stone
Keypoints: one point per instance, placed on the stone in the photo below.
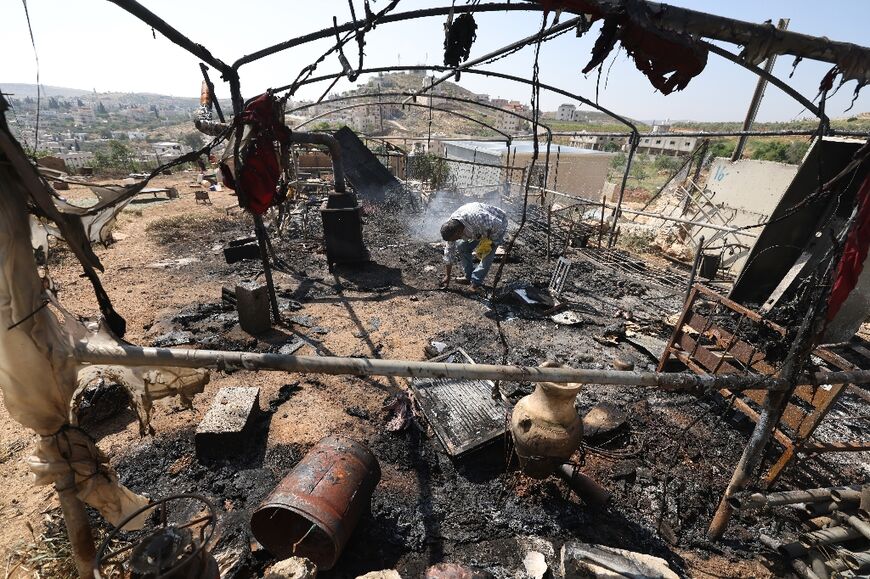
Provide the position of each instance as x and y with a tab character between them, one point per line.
293	568
623	364
226	427
535	564
454	571
584	561
385	574
252	303
603	418
235	251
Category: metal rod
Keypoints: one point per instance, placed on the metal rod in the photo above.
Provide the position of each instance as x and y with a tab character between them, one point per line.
804	101
172	34
698	254
820	447
856	523
567	25
758	500
690	133
756	98
611	241
702	24
829	536
446	97
482	72
506	136
725	228
798	565
262	242
128	355
397	17
78	526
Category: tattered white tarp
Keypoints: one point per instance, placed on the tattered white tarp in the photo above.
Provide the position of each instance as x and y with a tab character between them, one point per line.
38	373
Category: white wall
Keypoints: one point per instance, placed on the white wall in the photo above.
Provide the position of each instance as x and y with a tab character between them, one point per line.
755	186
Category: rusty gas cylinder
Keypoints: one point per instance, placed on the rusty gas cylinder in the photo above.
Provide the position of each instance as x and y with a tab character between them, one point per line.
314	509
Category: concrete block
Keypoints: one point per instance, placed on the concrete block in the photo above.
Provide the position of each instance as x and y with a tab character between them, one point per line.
252	303
226	427
240	249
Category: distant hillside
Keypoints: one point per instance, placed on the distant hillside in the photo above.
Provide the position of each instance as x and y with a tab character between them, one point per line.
23	90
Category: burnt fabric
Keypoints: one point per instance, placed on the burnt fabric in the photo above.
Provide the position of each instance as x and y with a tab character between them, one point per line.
668	59
460	35
260	154
854	253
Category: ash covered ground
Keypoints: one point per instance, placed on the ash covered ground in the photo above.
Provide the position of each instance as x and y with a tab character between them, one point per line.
667	466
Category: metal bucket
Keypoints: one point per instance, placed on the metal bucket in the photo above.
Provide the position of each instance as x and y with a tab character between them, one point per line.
314	509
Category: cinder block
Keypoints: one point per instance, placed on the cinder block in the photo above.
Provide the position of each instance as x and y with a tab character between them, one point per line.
226	428
240	249
252	303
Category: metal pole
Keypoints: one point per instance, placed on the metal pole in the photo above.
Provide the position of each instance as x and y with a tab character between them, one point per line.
755	103
601	220
128	355
694	272
260	230
618	209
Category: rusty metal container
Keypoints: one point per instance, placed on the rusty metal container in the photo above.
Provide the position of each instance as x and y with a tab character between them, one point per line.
315	508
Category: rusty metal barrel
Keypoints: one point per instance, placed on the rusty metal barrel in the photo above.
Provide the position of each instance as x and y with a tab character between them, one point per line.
314	509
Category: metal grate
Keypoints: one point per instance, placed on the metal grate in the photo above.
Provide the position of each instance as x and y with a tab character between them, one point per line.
560	276
463	413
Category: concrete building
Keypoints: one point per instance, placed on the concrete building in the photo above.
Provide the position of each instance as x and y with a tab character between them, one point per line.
169	149
566	112
673	145
596	143
581	173
508	121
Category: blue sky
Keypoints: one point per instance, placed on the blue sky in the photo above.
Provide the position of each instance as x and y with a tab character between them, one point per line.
93	44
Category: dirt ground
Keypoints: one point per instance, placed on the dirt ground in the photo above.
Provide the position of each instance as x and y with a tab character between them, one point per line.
666	468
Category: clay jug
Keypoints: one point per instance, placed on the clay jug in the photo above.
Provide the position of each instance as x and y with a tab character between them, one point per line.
546	428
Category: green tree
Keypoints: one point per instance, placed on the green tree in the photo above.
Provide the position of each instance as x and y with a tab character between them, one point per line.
117	156
667	163
722	148
192	140
429	167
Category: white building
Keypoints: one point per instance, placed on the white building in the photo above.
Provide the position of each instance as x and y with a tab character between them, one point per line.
565	112
664	144
597	143
169	149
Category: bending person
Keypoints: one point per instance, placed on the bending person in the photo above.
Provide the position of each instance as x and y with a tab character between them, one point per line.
474	228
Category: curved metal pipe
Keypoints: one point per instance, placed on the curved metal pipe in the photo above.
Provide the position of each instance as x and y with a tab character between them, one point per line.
358	105
772	80
410	94
398	17
480	71
334	152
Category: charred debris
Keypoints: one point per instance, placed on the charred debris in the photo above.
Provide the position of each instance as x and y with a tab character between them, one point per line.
594	412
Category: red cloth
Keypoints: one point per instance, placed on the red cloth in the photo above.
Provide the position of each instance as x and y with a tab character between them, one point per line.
855	252
261	167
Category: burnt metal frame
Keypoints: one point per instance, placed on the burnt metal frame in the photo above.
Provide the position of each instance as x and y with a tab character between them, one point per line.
405	93
729	346
506	136
712	26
